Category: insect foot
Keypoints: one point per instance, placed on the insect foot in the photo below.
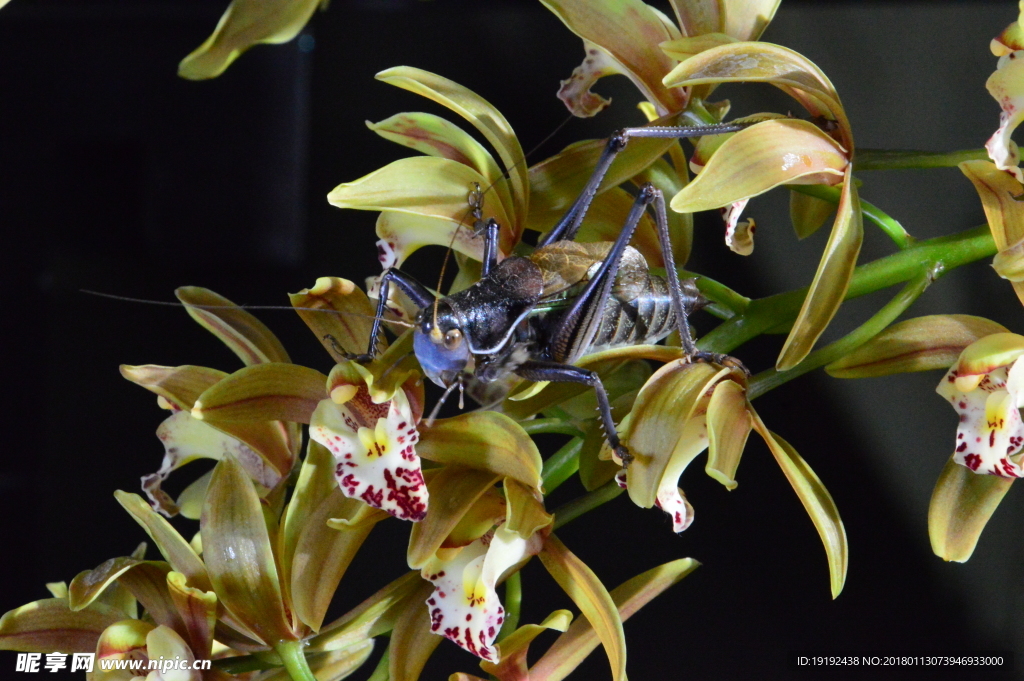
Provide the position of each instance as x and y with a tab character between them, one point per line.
721	359
623	455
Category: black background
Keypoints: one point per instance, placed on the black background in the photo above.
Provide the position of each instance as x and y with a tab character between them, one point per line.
117	176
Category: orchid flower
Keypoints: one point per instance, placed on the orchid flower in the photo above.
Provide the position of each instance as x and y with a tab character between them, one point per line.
982	383
685	408
1006	85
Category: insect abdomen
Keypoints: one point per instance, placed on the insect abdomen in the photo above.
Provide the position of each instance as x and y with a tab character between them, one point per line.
647	318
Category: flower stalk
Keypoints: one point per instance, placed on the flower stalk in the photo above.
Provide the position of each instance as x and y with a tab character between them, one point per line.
939	255
773	378
294	660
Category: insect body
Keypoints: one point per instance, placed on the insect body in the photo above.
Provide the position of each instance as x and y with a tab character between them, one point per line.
535	316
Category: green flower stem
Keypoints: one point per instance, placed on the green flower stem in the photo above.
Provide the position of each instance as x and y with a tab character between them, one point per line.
550	425
291	653
588	502
728	301
891	159
513	603
243	663
697	114
937	255
561	465
892	228
382	672
773	378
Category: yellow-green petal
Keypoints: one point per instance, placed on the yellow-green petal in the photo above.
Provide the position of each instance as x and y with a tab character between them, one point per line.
990	352
484	117
816	501
588	593
662	432
763	62
186	439
999	192
237	551
486	441
761	157
436	136
180	386
961	506
244	24
263	392
747	19
323	553
172	545
87	586
197	610
454	491
808	213
699	17
374	616
729	424
246	336
338	313
402	234
919	344
412	642
682	49
163	643
315	483
49	625
572	647
557	181
1009	263
190	501
426	186
526	513
831	281
512	649
121	641
628	32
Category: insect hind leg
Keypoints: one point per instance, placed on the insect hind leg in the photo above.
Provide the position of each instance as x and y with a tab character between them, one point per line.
566	228
685	302
539	370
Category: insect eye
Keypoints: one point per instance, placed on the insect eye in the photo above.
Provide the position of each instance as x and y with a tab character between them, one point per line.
453	339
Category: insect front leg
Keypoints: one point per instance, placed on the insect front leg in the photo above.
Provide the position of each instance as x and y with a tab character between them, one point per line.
538	370
417	292
488	229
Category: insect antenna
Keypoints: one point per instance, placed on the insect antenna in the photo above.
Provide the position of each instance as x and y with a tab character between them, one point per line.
168	303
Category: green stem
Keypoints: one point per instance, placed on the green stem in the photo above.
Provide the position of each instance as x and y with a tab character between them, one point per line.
893	159
513	603
729	302
888	224
561	465
291	653
550	425
242	664
773	378
382	672
937	255
588	502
